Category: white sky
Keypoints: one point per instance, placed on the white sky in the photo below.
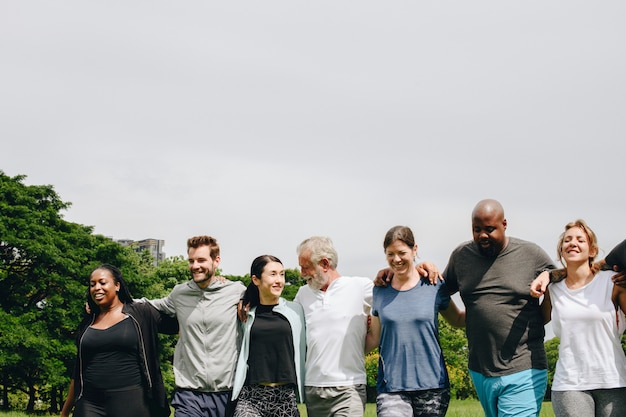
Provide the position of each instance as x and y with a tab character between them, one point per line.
263	123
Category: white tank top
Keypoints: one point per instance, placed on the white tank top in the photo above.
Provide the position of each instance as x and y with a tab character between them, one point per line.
590	329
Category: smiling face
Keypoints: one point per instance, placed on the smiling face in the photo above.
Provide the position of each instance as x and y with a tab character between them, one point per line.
202	266
314	275
103	288
489	231
576	247
400	257
271	283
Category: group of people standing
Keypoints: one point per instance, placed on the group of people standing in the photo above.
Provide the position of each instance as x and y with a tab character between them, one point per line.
312	349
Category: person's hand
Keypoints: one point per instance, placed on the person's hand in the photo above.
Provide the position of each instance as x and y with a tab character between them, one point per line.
242	311
430	271
539	284
383	277
620	277
87	308
221	279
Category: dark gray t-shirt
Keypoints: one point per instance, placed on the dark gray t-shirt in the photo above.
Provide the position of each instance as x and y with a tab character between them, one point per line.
504	324
617	256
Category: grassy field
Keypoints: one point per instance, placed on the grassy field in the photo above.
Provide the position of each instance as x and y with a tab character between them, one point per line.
465	408
457	408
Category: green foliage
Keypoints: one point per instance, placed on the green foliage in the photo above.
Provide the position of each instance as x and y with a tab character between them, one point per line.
293	277
245	279
454	346
289	292
45	262
552	353
42	258
371	367
166	275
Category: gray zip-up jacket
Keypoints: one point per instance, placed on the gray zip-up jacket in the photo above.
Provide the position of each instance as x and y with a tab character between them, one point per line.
208	343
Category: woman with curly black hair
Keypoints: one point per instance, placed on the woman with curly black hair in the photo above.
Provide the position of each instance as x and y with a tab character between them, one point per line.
117	371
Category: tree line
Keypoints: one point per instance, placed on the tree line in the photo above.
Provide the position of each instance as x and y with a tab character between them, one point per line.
45	262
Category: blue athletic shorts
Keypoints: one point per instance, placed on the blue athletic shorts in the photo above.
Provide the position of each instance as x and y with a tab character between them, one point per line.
515	395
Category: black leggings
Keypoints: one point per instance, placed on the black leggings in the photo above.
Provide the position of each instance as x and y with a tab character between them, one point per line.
125	402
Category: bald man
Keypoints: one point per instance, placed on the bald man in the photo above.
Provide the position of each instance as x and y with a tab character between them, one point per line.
505	332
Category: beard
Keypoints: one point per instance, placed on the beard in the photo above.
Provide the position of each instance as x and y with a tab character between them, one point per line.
491	251
203	276
318	281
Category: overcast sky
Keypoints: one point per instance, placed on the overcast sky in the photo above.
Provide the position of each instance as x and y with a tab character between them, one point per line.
263	123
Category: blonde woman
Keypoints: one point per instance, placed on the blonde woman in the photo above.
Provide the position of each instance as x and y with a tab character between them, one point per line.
587	313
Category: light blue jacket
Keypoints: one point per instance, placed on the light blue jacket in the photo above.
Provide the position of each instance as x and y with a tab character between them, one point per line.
295	315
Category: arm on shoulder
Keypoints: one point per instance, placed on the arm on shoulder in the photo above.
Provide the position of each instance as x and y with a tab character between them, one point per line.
540	284
163	305
429	270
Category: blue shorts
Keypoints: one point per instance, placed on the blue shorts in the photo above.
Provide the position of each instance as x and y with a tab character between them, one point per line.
515	395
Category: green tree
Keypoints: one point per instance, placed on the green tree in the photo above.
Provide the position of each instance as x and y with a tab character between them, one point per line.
44	266
171	271
552	353
371	371
38	251
454	346
293	277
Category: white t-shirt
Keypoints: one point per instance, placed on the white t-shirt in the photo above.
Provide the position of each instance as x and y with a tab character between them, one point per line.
336	325
590	329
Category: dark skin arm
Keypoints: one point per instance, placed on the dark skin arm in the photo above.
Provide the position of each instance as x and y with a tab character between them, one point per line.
69	402
242	311
540	284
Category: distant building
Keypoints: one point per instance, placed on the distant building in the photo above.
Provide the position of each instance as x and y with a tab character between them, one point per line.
154	246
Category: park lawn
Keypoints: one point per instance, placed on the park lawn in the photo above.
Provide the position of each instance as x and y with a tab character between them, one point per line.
458	408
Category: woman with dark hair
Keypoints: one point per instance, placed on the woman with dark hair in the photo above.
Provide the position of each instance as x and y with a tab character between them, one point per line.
269	380
117	371
412	375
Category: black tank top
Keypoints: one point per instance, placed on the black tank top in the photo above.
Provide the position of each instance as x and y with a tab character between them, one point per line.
271	357
111	357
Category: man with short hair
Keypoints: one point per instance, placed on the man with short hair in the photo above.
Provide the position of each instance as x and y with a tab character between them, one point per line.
504	325
208	344
336	309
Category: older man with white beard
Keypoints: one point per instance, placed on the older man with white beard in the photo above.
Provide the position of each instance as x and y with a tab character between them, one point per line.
336	310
